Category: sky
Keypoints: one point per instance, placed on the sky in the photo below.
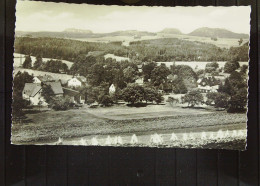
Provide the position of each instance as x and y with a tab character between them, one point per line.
46	16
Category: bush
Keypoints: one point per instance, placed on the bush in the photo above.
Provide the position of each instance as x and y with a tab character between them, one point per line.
61	103
105	100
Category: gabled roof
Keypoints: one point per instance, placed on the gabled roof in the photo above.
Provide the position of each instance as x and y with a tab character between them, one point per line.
45	78
70	92
31	89
56	87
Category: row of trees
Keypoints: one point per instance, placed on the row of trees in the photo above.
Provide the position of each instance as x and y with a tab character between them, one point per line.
132	93
55	66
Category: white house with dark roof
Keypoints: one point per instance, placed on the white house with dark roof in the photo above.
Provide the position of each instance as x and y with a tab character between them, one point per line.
78	81
32	92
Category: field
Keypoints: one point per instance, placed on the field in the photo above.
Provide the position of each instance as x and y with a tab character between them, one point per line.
91	126
221	42
19	59
63	77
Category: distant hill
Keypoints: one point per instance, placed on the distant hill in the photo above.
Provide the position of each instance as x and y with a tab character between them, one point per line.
74	30
77	33
217	32
171	31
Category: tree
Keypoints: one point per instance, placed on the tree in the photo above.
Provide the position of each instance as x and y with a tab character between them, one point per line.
231	66
133	93
38	64
159	98
130	74
159	75
82	64
192	98
238	101
96	74
147	70
55	66
151	94
218	99
19	81
27	62
18	105
18	102
211	67
179	86
222	100
47	93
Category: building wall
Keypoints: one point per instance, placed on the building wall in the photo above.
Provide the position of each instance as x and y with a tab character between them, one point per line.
74	83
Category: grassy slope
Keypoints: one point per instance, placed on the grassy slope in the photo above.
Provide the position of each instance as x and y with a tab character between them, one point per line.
50	125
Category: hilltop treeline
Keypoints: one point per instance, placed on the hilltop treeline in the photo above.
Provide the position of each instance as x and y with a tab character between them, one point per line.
146	50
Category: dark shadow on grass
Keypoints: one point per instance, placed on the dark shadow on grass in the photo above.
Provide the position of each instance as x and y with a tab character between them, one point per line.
34	111
137	105
198	108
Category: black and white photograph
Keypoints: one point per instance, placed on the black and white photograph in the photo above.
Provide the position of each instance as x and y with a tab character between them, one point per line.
99	75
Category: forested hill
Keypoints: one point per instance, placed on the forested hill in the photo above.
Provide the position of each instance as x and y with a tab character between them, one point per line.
146	50
217	33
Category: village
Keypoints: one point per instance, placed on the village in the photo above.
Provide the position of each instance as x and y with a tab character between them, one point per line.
32	92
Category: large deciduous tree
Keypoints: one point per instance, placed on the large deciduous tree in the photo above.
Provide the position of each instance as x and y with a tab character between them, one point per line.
159	75
133	93
193	98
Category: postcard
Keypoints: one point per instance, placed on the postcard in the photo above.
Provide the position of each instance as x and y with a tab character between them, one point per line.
98	75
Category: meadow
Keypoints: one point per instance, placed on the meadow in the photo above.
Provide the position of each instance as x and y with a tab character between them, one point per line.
44	127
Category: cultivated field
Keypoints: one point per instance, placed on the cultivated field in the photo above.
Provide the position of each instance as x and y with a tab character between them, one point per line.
85	124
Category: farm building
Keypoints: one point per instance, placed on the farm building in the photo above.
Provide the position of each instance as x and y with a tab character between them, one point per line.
78	81
32	92
75	96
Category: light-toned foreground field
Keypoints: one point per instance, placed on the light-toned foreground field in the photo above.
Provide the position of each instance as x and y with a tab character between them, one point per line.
160	126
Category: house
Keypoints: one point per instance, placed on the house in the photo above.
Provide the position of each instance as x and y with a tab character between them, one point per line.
56	88
33	92
206	89
78	81
139	81
75	96
42	79
208	80
112	89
